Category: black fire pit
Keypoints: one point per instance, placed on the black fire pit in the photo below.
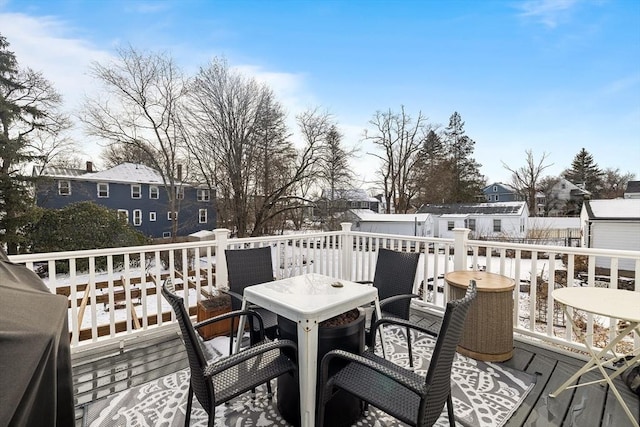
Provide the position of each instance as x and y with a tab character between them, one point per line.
344	332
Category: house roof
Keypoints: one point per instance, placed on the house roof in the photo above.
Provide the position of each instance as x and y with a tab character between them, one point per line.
125	173
496	208
352	194
366	215
58	172
613	209
633	187
500	184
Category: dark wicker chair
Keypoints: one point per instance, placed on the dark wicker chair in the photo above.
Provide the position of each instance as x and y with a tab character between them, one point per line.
394	277
402	393
248	267
216	382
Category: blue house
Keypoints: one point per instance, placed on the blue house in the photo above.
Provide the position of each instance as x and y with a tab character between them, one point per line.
136	192
499	192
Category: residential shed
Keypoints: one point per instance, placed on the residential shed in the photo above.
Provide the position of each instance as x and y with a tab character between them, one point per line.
611	224
420	225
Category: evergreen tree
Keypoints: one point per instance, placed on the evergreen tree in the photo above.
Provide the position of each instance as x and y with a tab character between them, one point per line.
467	182
433	172
584	172
28	115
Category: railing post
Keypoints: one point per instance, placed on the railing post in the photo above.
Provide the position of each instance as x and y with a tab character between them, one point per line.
222	275
460	237
346	250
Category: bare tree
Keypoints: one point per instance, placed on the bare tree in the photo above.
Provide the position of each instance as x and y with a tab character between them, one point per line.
526	179
141	107
239	142
115	154
400	138
614	183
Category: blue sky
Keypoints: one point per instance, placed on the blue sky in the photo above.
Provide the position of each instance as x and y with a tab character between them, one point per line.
549	76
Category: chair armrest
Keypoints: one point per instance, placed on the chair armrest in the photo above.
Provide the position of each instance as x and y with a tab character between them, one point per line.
395	375
252	315
399	322
233	294
396	298
249	353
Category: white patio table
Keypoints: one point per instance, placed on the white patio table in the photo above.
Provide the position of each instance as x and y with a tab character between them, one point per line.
613	303
309	299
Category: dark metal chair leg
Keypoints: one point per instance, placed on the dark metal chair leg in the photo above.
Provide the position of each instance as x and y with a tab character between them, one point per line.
187	415
452	418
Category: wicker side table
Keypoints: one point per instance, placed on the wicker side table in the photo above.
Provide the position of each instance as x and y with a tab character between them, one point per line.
488	331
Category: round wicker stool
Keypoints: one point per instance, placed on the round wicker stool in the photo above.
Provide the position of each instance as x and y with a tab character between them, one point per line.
488	331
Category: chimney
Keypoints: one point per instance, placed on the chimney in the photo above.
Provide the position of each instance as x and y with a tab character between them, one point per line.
89	166
179	172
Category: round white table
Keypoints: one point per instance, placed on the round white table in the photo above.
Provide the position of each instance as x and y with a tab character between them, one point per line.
613	303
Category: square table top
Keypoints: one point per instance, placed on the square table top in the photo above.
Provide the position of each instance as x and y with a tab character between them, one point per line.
310	296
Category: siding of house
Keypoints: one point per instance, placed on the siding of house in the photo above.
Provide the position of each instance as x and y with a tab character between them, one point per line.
499	192
85	188
621	235
403	224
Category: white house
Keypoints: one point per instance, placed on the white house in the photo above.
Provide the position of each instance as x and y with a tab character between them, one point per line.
564	196
611	224
494	220
633	190
364	220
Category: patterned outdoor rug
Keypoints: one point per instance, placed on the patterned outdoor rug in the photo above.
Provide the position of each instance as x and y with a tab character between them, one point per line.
484	394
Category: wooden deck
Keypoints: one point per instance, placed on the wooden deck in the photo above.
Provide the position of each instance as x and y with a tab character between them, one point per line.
97	375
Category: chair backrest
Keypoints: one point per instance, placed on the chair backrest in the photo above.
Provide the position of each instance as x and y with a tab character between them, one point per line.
439	374
248	267
202	388
395	274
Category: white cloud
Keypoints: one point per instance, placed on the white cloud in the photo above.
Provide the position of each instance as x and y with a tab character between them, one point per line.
47	45
43	45
548	12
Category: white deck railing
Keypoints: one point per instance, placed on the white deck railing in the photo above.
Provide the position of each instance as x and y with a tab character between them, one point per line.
114	294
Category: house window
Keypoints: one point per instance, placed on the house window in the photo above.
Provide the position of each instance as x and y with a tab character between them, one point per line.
202	216
450	225
123	214
364	205
103	190
353	204
179	193
495	188
166	234
203	195
153	192
64	188
497	225
136	191
137	217
152	216
470	224
172	216
522	225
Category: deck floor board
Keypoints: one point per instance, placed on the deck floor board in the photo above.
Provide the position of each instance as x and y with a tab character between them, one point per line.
98	375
